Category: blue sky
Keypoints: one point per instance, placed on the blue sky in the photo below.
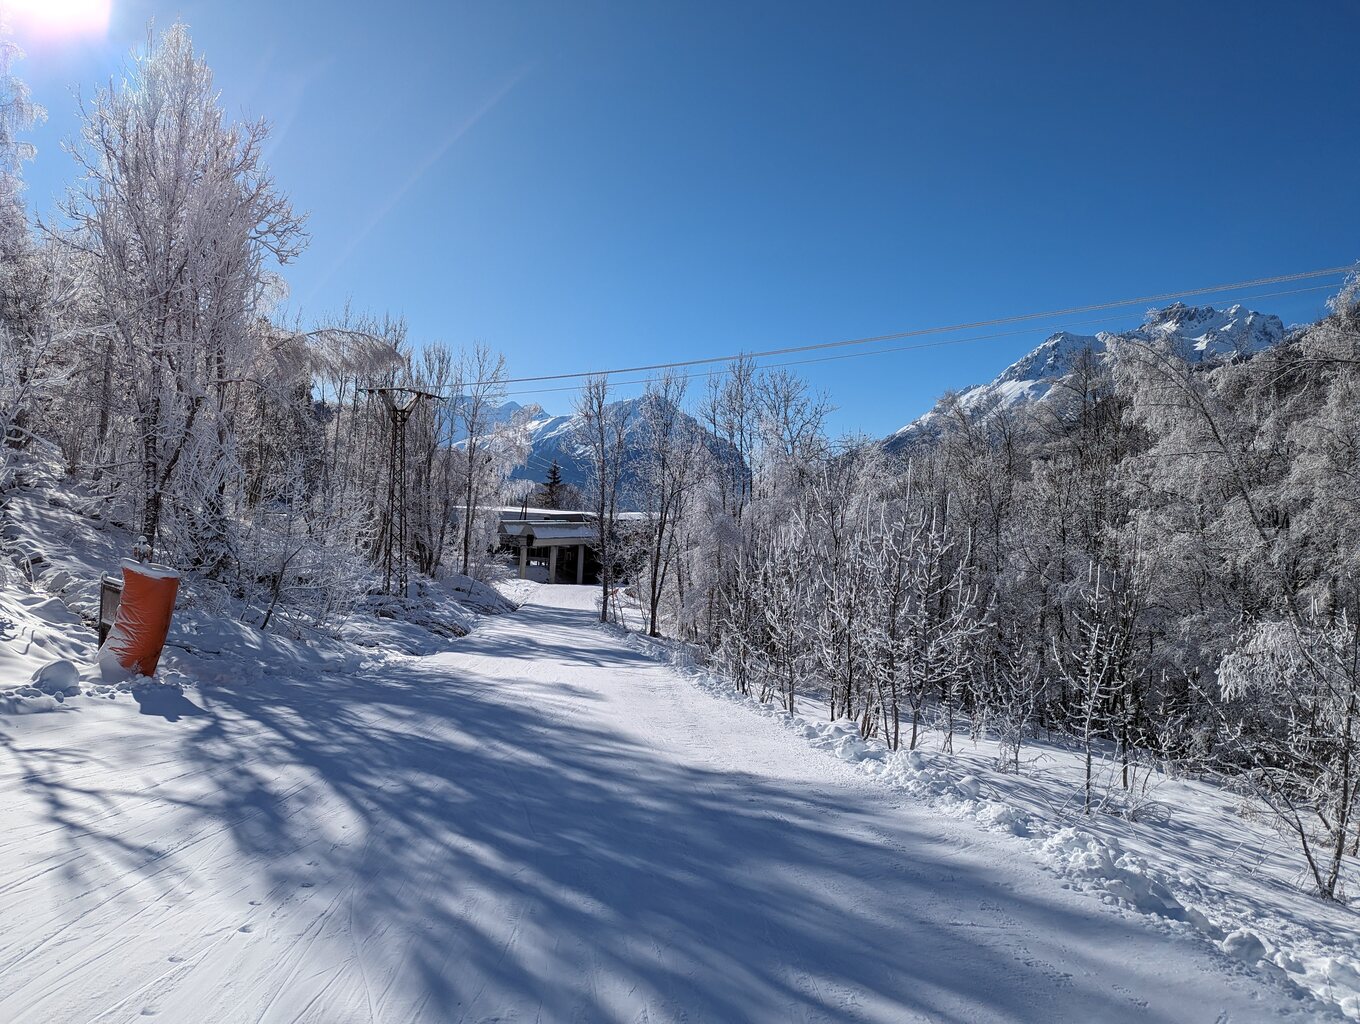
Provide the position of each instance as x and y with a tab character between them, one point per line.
586	185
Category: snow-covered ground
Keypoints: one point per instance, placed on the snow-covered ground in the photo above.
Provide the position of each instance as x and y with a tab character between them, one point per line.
1190	855
56	542
543	822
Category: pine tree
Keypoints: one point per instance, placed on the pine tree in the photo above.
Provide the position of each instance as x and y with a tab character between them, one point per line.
553	487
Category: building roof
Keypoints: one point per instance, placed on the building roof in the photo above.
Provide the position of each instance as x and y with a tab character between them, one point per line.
520	513
548	533
579	532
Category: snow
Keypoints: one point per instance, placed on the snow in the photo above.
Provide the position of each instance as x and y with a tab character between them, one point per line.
40	645
557	439
542	818
1197	332
58	677
583	532
1245	945
1213	333
1194	860
543	821
150	569
69	526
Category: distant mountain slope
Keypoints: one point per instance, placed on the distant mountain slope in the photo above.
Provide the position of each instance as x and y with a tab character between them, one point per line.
556	438
503	413
1200	333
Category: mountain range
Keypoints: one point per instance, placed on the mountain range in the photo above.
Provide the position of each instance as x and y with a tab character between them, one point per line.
555	439
1198	333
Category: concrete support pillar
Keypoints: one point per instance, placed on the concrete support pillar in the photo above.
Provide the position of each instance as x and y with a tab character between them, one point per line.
580	564
523	561
552	564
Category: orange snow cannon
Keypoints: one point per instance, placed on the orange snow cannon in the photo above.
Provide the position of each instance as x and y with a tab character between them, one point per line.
143	619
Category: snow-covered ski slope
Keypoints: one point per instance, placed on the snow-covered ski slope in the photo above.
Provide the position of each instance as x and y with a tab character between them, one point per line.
540	824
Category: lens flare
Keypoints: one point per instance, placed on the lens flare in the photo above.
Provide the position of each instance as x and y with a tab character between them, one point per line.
49	19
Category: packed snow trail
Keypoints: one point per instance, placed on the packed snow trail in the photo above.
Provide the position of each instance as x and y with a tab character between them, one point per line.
539	825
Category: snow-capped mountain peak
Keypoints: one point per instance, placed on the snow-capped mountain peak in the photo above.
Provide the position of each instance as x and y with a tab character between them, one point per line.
1199	333
557	439
1054	358
1213	333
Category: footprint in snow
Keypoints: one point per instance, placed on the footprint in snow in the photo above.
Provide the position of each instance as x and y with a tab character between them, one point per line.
247	928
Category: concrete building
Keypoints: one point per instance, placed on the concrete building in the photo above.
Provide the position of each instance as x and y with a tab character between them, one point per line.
560	543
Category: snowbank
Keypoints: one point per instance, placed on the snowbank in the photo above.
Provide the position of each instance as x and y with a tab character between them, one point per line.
1261	920
58	543
41	645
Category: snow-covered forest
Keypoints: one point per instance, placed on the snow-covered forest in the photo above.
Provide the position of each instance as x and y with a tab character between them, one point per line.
1159	561
142	339
1127	567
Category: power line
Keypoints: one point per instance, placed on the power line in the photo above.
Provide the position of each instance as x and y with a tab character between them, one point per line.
533	461
922	331
888	351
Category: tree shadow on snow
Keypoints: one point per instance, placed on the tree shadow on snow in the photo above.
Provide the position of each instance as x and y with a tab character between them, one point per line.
166	702
504	856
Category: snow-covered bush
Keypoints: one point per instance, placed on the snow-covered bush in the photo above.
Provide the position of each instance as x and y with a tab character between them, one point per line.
1294	689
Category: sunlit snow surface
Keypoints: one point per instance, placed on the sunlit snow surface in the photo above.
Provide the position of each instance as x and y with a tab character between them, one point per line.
543	820
1194	860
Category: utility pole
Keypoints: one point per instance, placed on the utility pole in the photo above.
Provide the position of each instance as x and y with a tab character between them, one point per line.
400	403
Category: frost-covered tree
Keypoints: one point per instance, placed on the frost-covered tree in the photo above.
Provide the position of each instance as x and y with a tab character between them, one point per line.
481	376
180	221
27	278
18	113
1294	692
252	453
670	463
1097	667
602	439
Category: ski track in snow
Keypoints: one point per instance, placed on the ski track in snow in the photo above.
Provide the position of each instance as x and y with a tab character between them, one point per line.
542	823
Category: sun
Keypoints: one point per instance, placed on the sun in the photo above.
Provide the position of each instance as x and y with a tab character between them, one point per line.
49	18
